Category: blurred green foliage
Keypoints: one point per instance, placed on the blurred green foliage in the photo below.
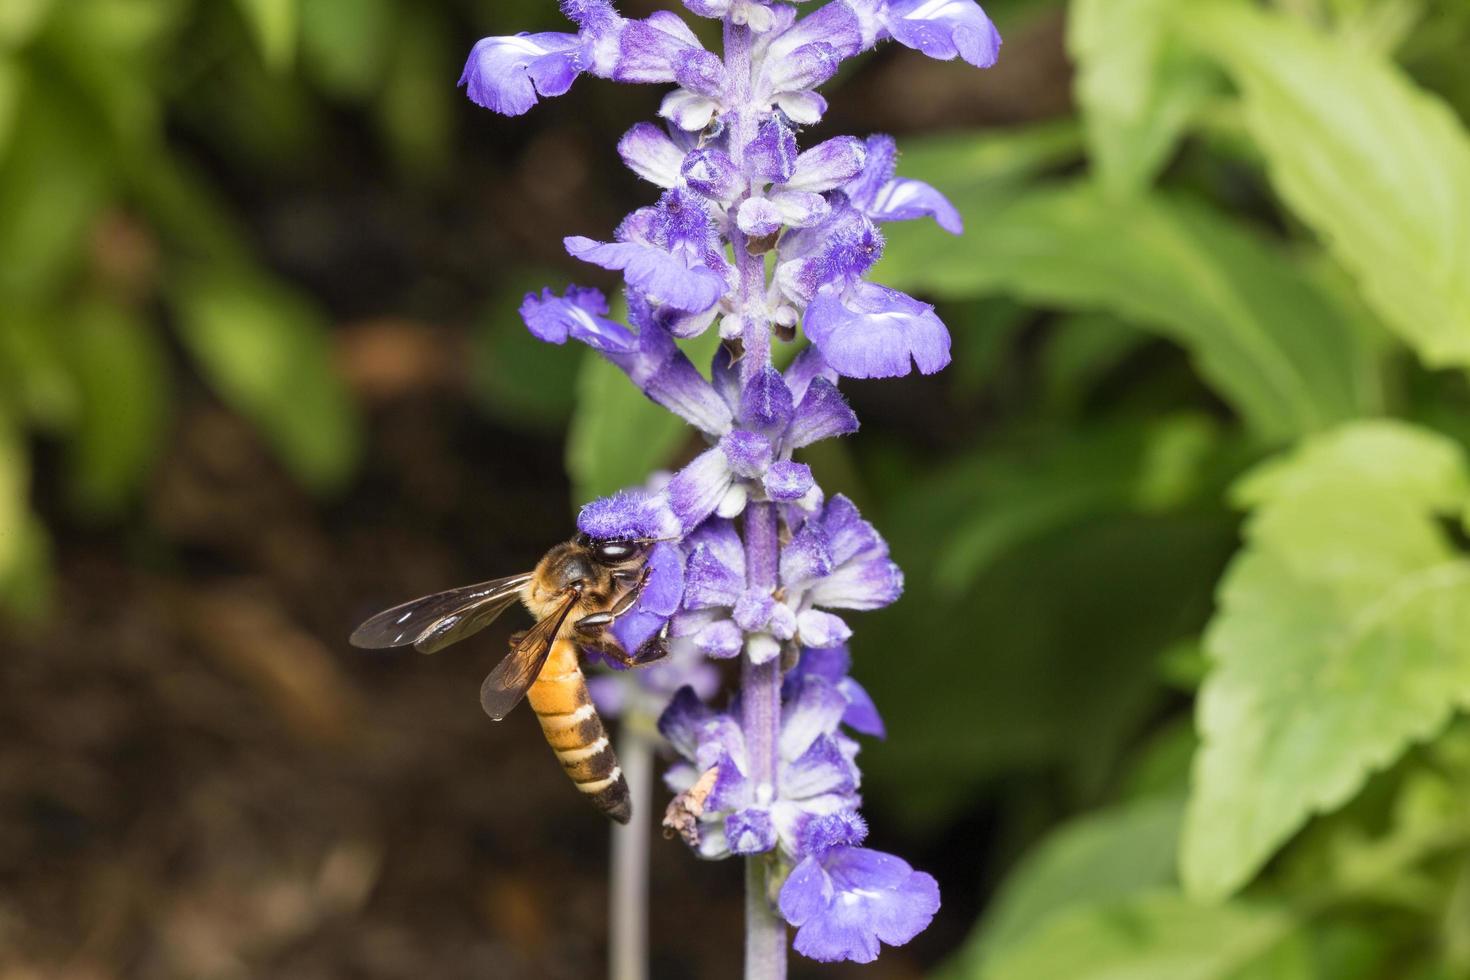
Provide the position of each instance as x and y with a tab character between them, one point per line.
1269	189
1233	284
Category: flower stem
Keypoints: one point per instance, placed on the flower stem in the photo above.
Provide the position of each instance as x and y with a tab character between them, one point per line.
765	930
628	911
760	696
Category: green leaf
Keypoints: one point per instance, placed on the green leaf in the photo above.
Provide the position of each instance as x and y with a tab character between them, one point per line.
1138	90
1261	333
1342	636
1160	936
617	436
1064	630
1378	167
39	385
267	353
20	20
1082	350
1023	494
25	549
990	162
12	84
1104	856
122	376
15	479
346	42
53	180
186	210
415	108
274	24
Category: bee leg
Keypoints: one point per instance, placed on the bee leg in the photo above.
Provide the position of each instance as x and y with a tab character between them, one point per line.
635	582
628	576
654	649
517	637
592	627
592	633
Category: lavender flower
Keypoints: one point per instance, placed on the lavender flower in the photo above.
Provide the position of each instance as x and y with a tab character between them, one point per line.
762	241
844	900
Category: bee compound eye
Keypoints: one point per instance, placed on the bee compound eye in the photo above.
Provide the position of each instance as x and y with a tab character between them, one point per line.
612	552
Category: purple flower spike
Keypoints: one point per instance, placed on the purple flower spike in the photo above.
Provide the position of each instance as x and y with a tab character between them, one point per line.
848	900
748	558
507	74
944	29
874	332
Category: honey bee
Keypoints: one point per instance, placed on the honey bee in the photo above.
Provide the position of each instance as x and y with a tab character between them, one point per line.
576	592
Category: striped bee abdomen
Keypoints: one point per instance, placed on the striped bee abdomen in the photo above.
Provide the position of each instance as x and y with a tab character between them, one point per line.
572	728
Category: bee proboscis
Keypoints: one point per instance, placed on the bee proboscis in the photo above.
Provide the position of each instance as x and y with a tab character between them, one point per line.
576	592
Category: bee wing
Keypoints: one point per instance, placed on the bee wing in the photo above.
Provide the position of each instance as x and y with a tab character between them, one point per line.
435	621
513	676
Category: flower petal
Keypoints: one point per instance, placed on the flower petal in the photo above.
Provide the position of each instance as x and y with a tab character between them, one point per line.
787	481
721	639
714	566
821	770
664	276
806	557
689	111
765	404
821	629
813	713
762	648
697	489
808	367
860	585
749	453
667	376
944	29
506	74
772	155
681	720
807	893
820	833
822	414
802	108
628	514
664	589
750	831
875	332
711	172
861	714
906	200
651	154
848	534
873	896
578	315
828	165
